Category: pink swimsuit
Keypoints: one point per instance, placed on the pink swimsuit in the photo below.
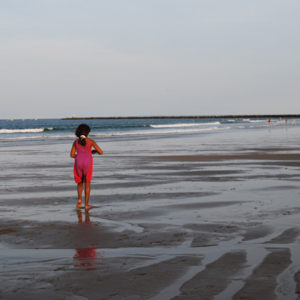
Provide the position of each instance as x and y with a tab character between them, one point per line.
83	167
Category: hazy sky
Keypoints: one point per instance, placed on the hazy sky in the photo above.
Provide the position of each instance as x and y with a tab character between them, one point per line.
156	57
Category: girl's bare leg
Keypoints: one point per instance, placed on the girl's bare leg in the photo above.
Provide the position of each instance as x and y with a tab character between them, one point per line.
87	195
79	192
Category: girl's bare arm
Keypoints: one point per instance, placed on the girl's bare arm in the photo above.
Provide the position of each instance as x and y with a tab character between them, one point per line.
73	151
97	148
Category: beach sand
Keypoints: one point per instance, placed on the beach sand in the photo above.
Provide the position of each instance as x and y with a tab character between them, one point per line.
177	218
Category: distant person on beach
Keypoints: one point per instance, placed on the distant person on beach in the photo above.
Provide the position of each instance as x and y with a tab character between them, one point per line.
83	167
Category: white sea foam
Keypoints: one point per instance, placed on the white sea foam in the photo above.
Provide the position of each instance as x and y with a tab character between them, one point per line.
156	132
257	121
182	125
27	130
35	137
116	134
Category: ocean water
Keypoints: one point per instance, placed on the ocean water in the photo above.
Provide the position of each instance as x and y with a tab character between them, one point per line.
43	130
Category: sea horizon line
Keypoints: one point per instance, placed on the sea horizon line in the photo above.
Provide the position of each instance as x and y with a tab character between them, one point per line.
234	116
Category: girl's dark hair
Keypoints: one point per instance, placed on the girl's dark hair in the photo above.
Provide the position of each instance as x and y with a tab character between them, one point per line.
82	129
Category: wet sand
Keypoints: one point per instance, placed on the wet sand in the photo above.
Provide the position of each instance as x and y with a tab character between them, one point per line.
208	223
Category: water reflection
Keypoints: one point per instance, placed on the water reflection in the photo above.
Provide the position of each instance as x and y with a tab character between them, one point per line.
87	219
85	257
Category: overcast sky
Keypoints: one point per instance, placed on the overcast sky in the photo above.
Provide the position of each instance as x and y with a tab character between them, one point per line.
148	57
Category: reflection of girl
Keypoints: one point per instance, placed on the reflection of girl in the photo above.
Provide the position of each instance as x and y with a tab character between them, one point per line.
85	253
87	217
83	167
85	257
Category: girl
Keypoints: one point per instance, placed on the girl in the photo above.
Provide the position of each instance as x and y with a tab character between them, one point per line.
83	167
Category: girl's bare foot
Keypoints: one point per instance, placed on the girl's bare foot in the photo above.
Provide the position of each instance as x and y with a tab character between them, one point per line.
78	203
87	207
